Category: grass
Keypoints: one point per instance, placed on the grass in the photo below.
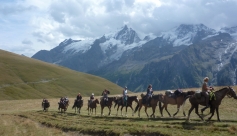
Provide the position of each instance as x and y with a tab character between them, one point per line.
26	113
25	78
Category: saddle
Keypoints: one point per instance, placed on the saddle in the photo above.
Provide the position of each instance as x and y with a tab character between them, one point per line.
198	95
169	93
174	94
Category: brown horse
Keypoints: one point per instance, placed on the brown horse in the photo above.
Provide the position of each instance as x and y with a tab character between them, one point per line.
108	104
173	99
119	102
63	106
77	105
153	104
92	106
214	104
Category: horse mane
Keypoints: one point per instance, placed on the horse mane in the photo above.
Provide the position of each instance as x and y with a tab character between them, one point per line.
222	89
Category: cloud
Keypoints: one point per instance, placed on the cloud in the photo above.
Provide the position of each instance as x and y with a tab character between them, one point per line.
26	41
10	9
46	23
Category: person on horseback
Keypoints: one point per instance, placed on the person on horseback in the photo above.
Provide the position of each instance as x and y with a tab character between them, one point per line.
91	98
60	101
125	96
105	96
206	90
149	93
79	98
44	101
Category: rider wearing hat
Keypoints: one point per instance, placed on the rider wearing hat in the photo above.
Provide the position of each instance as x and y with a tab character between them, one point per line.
125	95
105	96
206	90
149	93
92	98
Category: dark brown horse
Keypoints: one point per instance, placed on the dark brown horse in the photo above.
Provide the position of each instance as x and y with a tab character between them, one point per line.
153	104
77	105
174	99
214	104
92	106
108	104
63	106
119	102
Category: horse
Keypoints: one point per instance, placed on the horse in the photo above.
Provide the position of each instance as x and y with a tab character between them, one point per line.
45	105
153	104
108	104
63	106
119	102
77	105
178	99
214	104
92	106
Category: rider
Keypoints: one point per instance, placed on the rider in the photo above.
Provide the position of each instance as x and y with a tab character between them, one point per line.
79	98
44	101
60	101
105	96
149	93
206	90
125	95
92	98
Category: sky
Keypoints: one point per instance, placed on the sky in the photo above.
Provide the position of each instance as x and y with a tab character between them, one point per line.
28	26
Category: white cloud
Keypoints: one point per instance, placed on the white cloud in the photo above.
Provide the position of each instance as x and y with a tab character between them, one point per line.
46	23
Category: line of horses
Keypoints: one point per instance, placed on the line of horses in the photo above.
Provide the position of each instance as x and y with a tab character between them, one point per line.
194	98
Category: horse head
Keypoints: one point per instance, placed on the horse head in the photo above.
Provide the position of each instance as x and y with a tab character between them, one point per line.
136	100
231	93
97	101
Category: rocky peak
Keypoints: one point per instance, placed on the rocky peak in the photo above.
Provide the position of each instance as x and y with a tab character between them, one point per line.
127	35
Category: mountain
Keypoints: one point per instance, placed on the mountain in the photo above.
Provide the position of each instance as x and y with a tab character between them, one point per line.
214	57
26	78
91	54
123	58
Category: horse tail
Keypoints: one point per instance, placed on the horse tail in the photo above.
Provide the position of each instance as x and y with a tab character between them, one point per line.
160	106
136	107
115	104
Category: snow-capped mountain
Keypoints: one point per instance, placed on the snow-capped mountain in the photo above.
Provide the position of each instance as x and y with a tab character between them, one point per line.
232	31
187	34
123	58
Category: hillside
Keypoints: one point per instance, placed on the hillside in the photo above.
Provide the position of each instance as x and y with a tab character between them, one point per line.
26	78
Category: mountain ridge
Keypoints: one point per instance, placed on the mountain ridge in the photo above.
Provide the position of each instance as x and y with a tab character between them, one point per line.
118	60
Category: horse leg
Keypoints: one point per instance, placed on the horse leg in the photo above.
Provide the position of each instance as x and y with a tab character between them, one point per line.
203	109
196	111
117	111
153	111
126	111
161	109
189	112
95	111
102	111
132	110
166	105
139	111
109	110
212	113
146	111
121	110
178	106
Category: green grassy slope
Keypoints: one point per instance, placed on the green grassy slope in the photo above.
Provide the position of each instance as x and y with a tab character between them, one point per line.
25	78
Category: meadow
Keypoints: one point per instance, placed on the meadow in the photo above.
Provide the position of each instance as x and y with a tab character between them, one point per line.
25	117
